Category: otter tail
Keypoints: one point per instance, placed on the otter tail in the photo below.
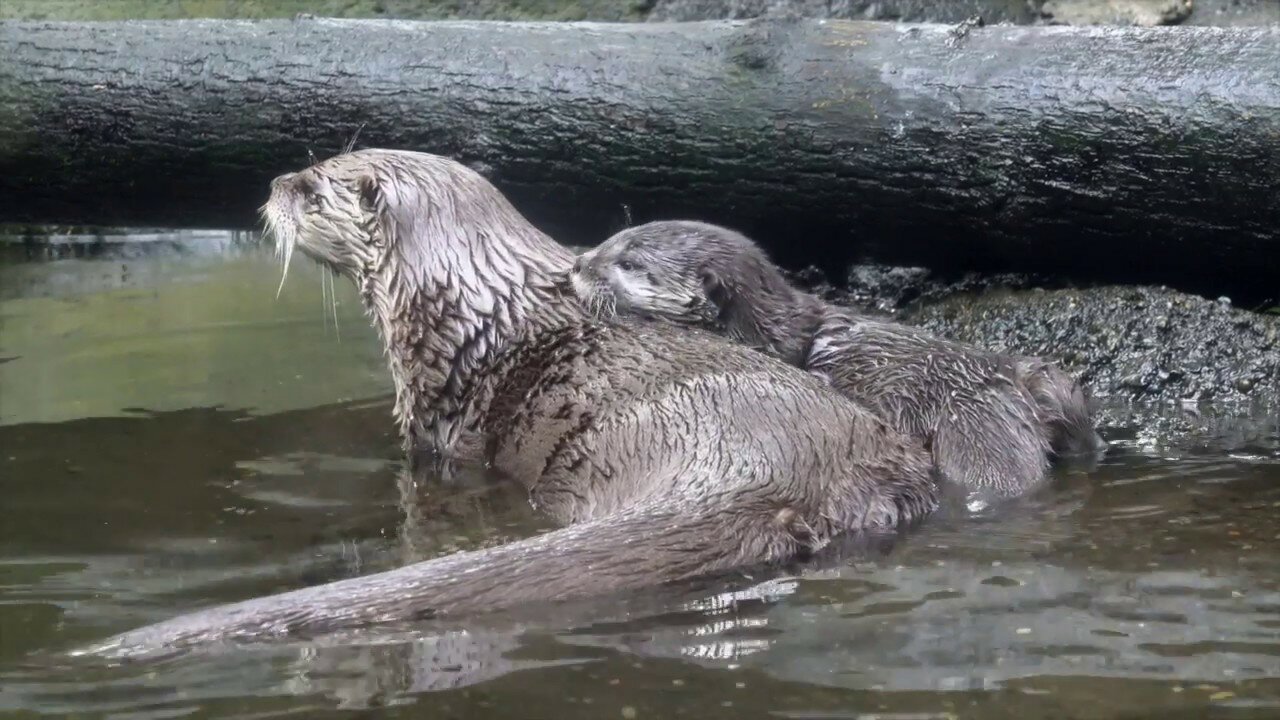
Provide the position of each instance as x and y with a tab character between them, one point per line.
1062	407
643	546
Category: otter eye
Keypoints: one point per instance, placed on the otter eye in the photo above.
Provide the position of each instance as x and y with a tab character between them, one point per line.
628	265
310	195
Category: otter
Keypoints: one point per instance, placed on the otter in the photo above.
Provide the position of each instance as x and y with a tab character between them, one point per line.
992	421
664	453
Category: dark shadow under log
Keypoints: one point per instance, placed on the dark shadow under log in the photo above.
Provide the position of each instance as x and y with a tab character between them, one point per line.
1122	154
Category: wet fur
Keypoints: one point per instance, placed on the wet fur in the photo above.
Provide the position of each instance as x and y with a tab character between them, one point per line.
991	420
667	454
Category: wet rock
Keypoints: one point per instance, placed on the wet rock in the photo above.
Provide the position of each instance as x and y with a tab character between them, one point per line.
1131	343
1168	370
1235	13
889	288
1116	12
1192	429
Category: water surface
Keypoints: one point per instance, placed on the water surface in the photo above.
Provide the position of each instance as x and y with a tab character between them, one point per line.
173	436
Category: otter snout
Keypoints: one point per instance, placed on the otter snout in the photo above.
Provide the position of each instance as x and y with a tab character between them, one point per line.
593	293
583	276
582	286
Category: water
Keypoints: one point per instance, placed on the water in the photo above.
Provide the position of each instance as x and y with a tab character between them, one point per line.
173	436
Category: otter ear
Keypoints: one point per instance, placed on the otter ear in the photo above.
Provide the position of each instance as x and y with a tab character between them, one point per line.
714	288
717	293
370	195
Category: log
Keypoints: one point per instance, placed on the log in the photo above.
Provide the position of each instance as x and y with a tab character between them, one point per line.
1118	154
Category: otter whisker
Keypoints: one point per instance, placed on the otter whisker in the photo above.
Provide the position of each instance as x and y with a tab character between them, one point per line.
333	300
284	241
602	305
352	142
324	302
287	251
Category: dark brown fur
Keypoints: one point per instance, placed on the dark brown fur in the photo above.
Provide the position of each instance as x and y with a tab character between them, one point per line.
667	454
991	420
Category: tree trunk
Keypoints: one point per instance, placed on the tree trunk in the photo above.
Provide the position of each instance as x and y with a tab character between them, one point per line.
1117	154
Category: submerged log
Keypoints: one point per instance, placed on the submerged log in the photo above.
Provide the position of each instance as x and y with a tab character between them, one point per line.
1119	153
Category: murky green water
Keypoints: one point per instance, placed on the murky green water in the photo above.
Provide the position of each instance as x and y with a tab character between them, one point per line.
172	436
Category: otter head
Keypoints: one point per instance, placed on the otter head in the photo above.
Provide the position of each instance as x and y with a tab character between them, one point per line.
678	270
411	219
334	212
448	269
697	274
1063	407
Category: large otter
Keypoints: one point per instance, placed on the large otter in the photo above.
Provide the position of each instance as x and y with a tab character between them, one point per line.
991	420
669	454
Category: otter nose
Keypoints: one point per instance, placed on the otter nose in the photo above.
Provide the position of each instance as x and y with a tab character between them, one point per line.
281	180
578	265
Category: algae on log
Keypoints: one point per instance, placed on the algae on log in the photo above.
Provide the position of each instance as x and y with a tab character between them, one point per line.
1109	153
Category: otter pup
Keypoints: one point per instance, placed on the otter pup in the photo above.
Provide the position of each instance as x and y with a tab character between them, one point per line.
990	420
668	453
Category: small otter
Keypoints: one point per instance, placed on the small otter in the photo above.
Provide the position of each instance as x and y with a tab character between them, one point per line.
668	453
991	420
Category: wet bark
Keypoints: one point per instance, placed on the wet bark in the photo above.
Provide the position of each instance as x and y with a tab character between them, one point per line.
1123	154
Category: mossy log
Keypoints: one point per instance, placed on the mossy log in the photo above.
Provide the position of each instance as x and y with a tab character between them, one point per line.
1127	154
